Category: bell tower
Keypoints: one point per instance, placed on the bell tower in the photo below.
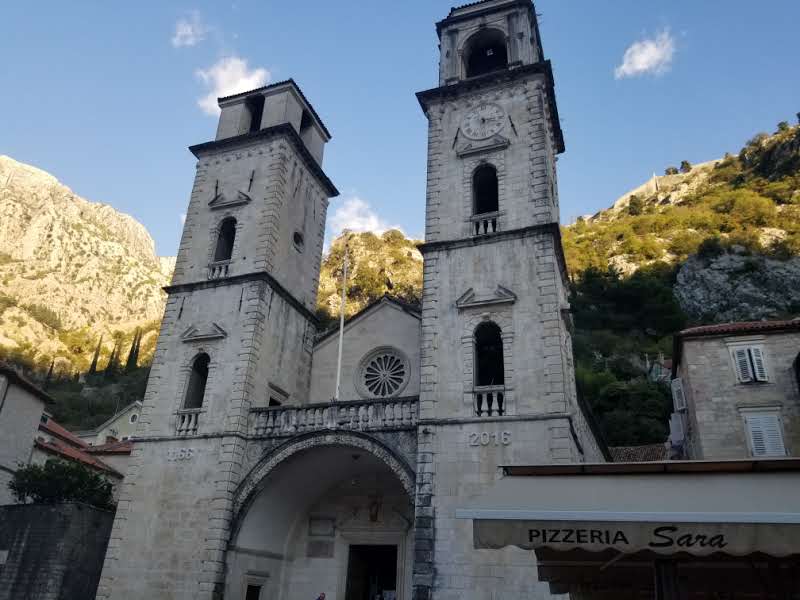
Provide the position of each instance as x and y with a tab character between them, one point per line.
497	376
237	334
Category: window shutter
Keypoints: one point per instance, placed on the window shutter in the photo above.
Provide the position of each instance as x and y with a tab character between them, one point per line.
741	363
766	438
759	365
678	398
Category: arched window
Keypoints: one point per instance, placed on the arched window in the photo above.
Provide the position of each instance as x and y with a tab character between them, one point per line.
488	355
225	237
197	382
255	108
484	189
486	52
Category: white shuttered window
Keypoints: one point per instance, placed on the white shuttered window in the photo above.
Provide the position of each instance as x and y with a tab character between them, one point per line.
749	364
765	433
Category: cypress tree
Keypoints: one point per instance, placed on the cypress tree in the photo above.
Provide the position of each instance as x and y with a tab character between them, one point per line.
49	374
93	367
133	355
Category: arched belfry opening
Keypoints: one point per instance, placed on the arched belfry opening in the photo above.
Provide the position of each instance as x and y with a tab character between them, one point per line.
486	52
226	235
198	377
484	190
325	515
489	355
255	109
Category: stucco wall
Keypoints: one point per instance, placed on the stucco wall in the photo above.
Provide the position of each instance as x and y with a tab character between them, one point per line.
385	325
715	398
20	413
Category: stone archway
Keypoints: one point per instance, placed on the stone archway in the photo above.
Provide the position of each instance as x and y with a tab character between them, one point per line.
250	485
358	488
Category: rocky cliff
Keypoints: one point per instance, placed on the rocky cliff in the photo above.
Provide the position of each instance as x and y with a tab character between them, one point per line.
70	271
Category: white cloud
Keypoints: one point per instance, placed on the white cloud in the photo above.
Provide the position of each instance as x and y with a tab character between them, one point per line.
229	75
189	31
647	56
355	214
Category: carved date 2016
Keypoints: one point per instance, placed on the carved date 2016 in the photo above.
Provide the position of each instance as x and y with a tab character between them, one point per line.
484	438
181	453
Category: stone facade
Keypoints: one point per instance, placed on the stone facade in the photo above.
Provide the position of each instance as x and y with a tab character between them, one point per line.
267	488
718	403
21	407
52	552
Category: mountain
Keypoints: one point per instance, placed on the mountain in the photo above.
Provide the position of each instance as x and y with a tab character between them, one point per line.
72	271
378	265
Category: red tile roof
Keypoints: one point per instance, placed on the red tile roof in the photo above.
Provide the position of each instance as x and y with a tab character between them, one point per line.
77	455
743	327
645	453
115	447
60	432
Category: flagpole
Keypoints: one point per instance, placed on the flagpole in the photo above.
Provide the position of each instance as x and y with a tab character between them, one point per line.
341	324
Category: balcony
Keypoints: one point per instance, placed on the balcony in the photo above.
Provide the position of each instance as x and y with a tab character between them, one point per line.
489	400
361	415
187	421
485	223
218	269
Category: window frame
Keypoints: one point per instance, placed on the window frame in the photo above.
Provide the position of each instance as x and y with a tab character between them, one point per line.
751	356
751	417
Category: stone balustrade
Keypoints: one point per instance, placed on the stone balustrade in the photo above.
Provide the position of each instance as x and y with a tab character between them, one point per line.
187	421
361	415
218	269
490	400
485	223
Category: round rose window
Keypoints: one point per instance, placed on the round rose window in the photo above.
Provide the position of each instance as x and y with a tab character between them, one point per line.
383	373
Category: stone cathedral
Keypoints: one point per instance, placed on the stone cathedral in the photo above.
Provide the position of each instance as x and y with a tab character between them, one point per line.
247	482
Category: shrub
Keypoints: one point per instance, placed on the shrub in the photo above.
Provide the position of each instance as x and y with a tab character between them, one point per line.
783	126
710	248
59	481
635	205
45	316
686	166
671	171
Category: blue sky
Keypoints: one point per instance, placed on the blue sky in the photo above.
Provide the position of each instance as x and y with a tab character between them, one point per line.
105	96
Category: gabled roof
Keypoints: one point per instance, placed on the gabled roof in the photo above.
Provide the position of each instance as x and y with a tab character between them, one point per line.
25	383
48	425
411	309
68	452
114	417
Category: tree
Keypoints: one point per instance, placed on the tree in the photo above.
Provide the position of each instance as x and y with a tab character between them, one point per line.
93	367
133	355
635	205
783	126
686	166
60	481
671	171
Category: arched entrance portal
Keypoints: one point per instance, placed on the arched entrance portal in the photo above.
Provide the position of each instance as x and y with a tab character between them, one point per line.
326	513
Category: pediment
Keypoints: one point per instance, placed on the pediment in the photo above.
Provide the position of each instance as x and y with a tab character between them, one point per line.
203	333
467	147
501	295
222	201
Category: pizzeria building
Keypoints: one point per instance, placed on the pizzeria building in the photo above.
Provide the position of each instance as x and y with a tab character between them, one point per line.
665	530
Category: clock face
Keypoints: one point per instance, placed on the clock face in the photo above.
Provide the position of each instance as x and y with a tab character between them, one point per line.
483	121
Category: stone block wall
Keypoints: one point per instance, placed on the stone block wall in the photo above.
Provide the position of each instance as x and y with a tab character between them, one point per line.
52	552
716	398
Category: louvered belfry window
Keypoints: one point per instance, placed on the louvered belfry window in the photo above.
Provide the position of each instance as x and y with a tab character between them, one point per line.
765	433
749	364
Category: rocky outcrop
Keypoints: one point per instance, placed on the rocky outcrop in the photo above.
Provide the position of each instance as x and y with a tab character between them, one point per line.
70	269
736	286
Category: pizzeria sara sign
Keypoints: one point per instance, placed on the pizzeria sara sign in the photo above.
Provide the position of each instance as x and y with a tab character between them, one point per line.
664	536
